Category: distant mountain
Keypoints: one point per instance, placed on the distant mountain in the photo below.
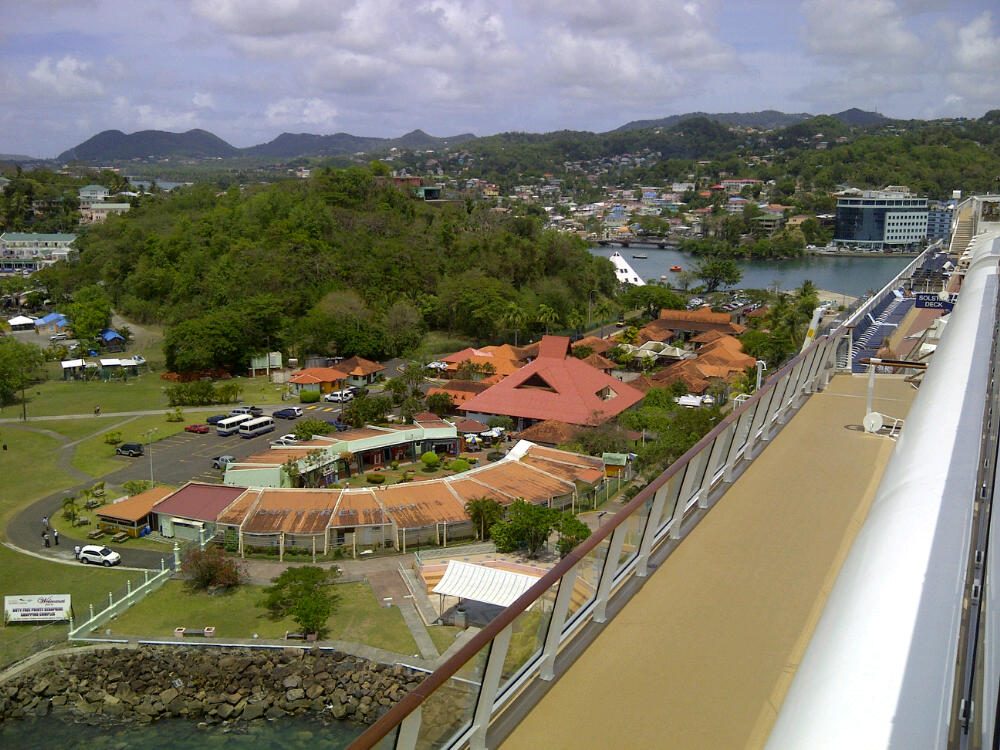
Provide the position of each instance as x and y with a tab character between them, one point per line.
17	158
859	118
114	145
769	119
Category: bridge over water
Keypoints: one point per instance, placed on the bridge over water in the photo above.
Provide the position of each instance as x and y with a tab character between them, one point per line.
793	580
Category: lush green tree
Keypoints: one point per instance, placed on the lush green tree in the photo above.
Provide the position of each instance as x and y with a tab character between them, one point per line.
19	364
367	410
547	316
513	318
572	531
526	526
717	271
484	513
306	594
440	403
309	426
430	460
651	299
89	313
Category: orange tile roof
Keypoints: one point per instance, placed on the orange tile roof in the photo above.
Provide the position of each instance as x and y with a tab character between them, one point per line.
599	362
292	512
359	508
599	345
313	375
359	367
556	386
136	507
417	504
550	431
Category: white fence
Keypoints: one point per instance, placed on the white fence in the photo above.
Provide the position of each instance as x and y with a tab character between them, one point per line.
151	582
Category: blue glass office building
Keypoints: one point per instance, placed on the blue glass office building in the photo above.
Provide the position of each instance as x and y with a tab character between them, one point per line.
881	221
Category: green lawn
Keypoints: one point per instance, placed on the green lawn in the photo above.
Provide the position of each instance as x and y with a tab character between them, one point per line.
443	636
30	470
86	584
358	616
55	397
97	458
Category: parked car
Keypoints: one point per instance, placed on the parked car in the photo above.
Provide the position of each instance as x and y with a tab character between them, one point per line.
130	449
286	440
338	425
254	411
289	412
200	429
58	337
339	397
220	462
216	418
99	555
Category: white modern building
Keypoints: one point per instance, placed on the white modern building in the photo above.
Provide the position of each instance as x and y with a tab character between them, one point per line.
28	252
886	220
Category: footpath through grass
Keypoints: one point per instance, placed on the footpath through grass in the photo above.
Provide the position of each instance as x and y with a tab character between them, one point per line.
358	616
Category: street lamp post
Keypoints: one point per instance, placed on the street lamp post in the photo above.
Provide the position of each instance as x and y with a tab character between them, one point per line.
149	448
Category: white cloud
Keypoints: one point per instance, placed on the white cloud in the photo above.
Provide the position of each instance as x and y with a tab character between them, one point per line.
68	77
977	47
860	32
292	111
203	100
149	117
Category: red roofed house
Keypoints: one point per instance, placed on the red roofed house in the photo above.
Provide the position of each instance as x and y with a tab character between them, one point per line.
557	386
697	321
321	379
360	371
193	507
459	390
504	360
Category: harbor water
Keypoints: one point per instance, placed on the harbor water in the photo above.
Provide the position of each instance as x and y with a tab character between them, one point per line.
853	276
292	733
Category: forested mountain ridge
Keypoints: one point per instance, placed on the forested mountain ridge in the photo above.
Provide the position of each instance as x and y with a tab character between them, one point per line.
342	263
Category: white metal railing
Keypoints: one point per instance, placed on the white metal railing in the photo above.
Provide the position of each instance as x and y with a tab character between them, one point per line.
454	706
116	607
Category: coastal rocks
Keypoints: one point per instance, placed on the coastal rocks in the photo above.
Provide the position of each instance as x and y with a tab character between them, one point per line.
120	686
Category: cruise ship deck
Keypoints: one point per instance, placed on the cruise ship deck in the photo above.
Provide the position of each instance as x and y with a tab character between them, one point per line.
710	643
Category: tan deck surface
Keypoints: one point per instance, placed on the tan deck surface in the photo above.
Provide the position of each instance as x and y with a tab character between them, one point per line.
703	655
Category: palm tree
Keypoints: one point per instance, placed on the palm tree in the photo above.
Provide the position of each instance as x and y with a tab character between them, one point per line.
513	318
69	506
546	316
575	320
483	512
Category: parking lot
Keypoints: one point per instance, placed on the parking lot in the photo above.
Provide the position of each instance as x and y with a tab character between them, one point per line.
188	456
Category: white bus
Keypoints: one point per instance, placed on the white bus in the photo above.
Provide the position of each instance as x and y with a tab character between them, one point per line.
231	425
256	427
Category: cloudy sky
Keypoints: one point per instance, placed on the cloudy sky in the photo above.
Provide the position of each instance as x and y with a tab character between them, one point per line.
248	70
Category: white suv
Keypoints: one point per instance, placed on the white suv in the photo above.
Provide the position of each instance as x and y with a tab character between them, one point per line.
99	555
339	396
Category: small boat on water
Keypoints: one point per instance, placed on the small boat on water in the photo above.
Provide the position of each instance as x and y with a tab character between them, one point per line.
639	255
675	269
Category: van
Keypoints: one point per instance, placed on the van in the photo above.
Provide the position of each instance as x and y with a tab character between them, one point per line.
253	411
255	427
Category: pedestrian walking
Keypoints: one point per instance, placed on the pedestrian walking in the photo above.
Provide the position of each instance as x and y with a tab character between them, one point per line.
55	536
45	538
76	552
97	411
45	523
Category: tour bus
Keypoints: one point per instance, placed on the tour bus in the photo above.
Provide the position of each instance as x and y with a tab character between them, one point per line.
231	425
256	427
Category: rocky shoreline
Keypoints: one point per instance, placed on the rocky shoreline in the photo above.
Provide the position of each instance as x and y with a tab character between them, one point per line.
211	686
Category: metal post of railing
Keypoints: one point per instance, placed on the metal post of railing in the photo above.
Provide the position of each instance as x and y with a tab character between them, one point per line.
489	688
714	457
649	533
554	634
409	730
744	422
691	477
608	572
777	397
759	422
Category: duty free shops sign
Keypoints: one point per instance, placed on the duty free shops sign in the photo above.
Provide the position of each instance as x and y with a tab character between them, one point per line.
36	608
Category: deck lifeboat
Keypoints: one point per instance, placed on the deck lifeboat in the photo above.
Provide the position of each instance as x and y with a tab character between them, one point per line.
675	269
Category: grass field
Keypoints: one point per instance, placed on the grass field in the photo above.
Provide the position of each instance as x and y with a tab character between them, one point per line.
30	470
97	458
358	616
443	636
23	574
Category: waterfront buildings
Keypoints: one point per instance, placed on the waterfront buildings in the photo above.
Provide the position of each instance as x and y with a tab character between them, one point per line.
26	252
891	219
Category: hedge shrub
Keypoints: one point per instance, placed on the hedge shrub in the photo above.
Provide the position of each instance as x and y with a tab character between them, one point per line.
308	397
375	478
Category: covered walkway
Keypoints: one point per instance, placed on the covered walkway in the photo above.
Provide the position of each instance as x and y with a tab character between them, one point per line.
703	654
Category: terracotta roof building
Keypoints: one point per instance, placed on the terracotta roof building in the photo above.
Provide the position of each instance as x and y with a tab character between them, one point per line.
459	390
698	321
195	506
360	371
404	514
550	432
558	386
322	379
504	359
132	514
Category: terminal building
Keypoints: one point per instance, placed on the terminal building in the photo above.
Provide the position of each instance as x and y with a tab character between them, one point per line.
887	220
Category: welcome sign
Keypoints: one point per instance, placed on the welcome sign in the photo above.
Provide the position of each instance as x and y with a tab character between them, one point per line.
36	608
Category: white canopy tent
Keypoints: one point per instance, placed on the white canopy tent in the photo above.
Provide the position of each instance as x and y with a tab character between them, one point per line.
21	320
482	584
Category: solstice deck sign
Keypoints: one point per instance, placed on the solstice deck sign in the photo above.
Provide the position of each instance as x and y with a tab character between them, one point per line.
36	608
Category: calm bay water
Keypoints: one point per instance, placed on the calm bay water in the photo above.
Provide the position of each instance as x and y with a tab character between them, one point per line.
296	733
851	276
